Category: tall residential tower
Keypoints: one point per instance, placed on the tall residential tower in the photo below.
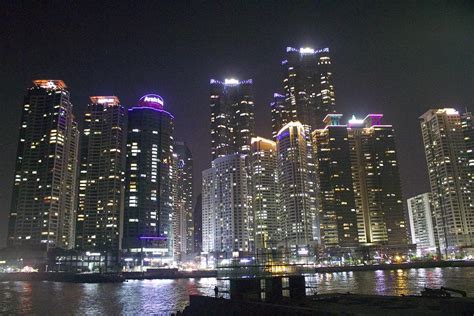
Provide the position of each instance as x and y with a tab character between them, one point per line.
44	194
149	179
183	202
264	193
232	117
447	149
100	208
308	85
298	218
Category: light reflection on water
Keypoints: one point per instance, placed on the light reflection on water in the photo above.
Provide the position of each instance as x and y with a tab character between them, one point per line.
152	296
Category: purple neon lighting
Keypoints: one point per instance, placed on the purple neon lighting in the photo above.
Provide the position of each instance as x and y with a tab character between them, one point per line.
151	100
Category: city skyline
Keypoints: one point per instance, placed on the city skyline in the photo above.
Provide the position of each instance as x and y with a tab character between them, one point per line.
376	97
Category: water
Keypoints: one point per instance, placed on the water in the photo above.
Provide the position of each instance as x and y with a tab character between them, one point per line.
159	296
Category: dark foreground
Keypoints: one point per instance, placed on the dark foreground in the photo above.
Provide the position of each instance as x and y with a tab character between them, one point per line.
334	304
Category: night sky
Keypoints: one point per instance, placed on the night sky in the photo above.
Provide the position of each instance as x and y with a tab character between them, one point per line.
394	57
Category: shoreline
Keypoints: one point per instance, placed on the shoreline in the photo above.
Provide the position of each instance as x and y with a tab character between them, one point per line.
174	274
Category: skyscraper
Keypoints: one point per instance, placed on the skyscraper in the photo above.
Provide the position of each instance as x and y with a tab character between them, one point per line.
197	219
308	85
100	208
232	117
280	113
447	156
376	179
359	182
337	209
264	193
226	211
467	126
184	237
44	193
149	178
422	228
209	213
297	208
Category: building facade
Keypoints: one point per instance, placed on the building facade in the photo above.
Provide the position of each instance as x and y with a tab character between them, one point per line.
336	207
44	193
422	228
376	178
264	193
149	171
209	213
101	178
298	218
447	155
360	199
232	117
184	228
197	221
227	219
308	85
280	113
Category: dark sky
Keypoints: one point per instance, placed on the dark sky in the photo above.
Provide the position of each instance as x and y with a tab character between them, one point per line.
394	57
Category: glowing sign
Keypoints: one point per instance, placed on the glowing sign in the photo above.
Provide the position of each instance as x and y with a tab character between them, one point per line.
151	100
108	100
306	50
231	81
50	84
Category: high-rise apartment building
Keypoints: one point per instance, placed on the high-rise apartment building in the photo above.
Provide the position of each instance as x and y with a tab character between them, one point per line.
44	192
336	207
447	155
100	208
308	86
359	183
232	117
209	214
183	202
468	133
264	193
376	178
197	221
422	228
226	213
297	207
149	179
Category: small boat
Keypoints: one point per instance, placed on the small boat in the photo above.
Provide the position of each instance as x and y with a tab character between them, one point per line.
441	292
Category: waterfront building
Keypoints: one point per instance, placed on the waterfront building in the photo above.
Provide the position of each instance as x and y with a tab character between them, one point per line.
101	193
184	229
208	212
298	219
468	133
358	175
43	202
197	221
376	179
336	207
447	151
232	116
149	172
308	85
422	228
226	212
264	193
